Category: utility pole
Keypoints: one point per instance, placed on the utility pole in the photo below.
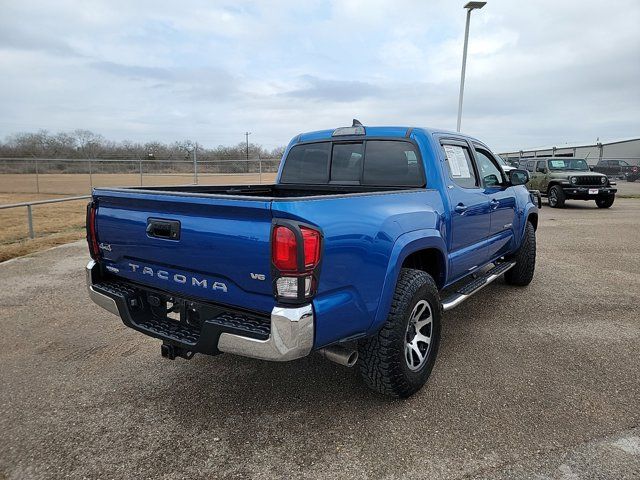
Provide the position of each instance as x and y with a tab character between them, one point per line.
195	163
469	6
246	134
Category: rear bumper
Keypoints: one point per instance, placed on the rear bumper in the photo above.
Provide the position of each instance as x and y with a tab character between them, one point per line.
100	299
290	335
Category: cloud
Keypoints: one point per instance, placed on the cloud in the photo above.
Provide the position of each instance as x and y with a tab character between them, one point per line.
334	90
538	72
134	71
28	38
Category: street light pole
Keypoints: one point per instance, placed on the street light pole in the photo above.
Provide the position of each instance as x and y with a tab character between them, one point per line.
469	6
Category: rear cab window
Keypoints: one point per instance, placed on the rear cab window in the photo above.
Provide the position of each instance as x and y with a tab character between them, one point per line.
307	164
346	162
369	162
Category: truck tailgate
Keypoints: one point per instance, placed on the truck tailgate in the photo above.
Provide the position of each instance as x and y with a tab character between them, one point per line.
221	252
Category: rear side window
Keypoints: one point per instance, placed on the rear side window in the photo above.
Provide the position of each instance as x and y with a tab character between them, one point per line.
307	163
374	163
391	163
460	166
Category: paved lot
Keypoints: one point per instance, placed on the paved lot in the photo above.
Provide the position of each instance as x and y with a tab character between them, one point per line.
541	382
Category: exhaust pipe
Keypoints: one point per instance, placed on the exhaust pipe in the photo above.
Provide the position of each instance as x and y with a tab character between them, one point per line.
340	355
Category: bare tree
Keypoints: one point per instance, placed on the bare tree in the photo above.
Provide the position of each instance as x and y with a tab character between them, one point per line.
82	143
89	144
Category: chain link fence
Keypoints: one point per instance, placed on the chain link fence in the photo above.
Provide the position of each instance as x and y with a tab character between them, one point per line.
42	199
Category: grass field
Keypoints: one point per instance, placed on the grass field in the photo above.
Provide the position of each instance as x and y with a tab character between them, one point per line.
80	184
60	223
54	224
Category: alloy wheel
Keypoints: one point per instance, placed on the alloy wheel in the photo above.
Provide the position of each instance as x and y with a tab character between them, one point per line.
418	336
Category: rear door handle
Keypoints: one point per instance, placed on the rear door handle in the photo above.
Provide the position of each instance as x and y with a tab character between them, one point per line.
461	208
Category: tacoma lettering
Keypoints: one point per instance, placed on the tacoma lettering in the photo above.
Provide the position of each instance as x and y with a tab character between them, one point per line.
178	278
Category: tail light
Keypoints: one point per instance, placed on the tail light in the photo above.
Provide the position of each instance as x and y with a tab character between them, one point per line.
311	247
295	255
284	249
92	238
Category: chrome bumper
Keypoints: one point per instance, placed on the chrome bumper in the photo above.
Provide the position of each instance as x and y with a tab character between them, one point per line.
108	303
291	329
291	337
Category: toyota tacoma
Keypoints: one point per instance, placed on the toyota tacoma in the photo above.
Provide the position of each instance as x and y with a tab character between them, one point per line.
367	236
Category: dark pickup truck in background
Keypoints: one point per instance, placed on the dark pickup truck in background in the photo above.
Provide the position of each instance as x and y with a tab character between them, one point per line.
619	169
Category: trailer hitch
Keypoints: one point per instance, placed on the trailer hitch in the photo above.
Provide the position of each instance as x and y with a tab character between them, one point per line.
170	351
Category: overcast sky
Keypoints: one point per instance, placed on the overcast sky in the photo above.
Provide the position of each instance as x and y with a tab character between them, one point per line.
541	72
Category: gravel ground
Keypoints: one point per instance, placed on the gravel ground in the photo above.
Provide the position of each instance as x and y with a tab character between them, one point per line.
541	382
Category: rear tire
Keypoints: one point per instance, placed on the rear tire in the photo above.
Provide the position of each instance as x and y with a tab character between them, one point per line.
605	202
556	197
398	360
522	273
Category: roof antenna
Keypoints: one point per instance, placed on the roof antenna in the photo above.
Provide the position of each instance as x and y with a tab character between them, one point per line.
356	123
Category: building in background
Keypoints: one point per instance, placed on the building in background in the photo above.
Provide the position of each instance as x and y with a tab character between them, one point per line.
626	149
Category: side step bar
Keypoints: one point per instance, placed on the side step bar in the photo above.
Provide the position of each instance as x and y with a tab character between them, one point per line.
474	285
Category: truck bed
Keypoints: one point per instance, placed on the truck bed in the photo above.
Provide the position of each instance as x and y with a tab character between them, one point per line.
268	192
222	233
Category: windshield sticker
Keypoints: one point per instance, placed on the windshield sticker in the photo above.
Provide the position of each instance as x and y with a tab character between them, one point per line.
557	163
457	161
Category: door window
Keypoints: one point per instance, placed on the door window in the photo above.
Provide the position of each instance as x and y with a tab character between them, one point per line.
460	166
490	173
541	167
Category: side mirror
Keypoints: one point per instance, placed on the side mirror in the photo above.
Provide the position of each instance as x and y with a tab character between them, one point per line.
491	180
518	177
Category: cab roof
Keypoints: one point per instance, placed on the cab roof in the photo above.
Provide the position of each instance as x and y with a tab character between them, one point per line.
389	131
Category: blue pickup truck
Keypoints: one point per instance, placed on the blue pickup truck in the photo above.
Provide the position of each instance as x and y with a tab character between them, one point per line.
367	236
